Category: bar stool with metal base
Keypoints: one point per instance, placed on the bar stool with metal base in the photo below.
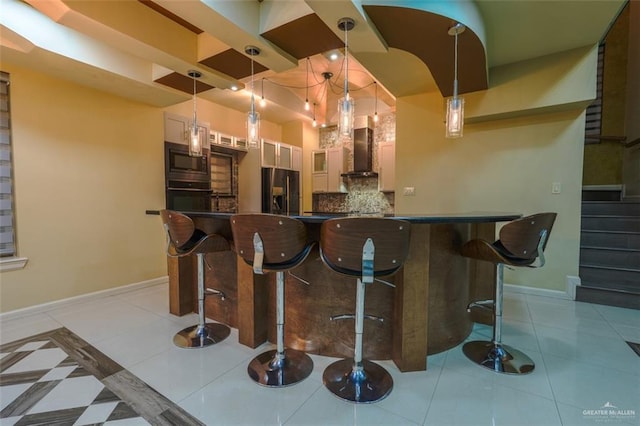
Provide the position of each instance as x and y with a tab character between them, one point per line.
183	239
270	242
521	244
364	248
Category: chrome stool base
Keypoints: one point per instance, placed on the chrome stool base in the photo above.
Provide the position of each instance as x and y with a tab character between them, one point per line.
267	370
199	337
498	357
370	385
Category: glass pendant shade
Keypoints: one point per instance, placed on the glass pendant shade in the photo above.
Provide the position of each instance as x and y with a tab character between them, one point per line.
455	117
455	104
253	116
346	116
253	128
195	147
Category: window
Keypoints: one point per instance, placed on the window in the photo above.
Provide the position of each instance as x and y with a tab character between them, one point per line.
8	252
593	123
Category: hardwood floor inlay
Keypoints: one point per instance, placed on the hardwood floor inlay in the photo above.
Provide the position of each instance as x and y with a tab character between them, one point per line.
40	385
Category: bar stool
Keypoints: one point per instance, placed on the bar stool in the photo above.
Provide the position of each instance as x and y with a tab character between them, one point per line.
521	243
277	243
364	248
183	239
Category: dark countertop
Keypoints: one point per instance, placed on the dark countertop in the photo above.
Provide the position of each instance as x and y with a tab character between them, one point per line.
319	217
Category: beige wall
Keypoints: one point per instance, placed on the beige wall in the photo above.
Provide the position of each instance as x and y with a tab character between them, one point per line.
87	166
506	164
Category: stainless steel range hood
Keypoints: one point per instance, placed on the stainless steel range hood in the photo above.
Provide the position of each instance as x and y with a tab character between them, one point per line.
362	149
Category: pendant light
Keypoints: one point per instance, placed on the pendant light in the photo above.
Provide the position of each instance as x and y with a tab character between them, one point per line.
263	101
253	117
314	122
455	104
346	105
195	147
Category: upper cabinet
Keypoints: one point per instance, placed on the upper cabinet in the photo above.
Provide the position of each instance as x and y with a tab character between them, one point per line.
386	166
296	158
177	128
328	166
228	141
281	155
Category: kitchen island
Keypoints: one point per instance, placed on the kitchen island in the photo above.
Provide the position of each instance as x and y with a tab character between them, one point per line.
425	313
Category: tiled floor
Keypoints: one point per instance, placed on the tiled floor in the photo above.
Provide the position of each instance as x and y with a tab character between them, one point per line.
582	365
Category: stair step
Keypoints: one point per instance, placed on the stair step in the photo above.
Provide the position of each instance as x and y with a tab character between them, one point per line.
603	296
601	195
608	276
617	208
604	256
610	223
611	239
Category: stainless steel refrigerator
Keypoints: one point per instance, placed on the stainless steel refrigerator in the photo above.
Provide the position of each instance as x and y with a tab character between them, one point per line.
280	191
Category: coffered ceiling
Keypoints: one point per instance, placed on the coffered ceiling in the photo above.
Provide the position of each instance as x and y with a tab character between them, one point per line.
144	49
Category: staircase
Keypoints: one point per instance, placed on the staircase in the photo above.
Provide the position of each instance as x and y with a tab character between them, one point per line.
609	250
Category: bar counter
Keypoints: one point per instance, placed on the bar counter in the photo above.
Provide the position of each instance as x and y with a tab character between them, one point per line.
424	314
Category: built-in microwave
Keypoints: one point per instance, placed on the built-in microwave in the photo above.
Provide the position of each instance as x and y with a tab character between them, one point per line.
180	166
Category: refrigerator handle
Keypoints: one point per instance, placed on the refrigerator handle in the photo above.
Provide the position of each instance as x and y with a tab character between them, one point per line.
288	195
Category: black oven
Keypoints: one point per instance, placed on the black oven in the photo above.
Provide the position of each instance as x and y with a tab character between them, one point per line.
178	165
188	196
187	179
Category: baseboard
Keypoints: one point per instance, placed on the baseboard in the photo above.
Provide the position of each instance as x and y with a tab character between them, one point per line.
19	313
568	294
572	282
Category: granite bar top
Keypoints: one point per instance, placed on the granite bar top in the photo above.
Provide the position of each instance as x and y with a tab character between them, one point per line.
319	217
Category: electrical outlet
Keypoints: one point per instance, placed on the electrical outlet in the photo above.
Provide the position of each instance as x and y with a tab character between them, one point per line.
556	187
409	190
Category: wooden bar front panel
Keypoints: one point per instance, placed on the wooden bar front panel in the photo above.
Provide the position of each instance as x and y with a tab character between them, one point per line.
424	314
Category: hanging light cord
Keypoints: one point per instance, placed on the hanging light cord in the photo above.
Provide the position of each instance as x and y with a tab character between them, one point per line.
194	102
346	60
376	102
253	103
455	67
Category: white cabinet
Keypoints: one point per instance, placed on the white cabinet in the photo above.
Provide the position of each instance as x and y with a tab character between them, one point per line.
278	154
177	128
386	166
336	166
328	166
296	158
319	161
269	153
319	171
284	156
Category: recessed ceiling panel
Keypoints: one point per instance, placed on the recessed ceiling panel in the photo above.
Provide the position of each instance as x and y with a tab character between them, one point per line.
183	83
304	37
175	18
233	63
426	35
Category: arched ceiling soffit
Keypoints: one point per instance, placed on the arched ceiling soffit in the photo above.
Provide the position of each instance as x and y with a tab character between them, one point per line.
425	35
